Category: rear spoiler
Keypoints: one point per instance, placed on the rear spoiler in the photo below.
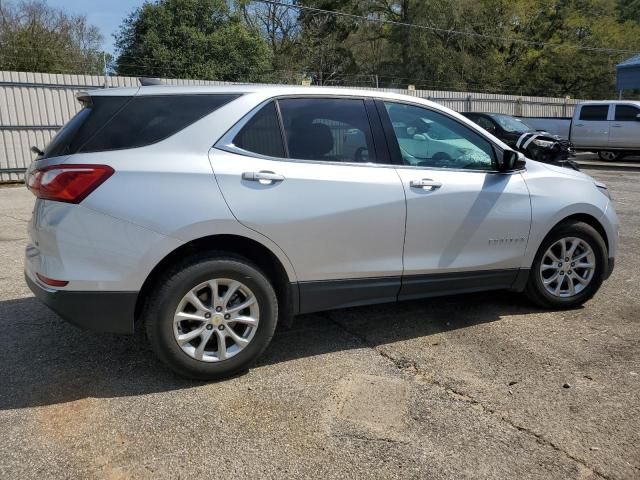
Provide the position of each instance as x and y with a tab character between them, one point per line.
149	81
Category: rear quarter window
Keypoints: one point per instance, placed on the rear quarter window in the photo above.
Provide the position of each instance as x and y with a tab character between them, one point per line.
115	123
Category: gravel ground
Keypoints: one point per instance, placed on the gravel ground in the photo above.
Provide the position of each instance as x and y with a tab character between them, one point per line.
476	386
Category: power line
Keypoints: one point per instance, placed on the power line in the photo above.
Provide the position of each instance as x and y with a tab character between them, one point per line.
446	30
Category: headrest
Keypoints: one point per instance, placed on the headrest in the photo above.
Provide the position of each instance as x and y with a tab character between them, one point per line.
310	141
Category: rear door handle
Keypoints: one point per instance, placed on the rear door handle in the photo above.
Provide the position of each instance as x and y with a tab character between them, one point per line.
579	125
616	126
264	177
425	184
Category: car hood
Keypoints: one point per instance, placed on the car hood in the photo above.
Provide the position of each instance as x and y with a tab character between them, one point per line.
533	165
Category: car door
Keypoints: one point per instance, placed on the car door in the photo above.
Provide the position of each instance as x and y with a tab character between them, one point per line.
467	225
591	129
625	127
303	172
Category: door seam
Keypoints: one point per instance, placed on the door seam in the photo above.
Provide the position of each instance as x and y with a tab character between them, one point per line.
404	237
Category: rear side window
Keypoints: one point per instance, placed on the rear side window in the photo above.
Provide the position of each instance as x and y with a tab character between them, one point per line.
627	113
114	122
327	129
594	113
262	134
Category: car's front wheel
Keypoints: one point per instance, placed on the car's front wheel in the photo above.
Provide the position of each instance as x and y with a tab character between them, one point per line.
569	266
211	316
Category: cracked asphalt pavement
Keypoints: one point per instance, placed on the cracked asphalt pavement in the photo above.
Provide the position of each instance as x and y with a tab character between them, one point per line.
475	386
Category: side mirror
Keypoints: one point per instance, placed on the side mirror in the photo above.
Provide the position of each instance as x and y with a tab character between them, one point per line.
638	117
420	137
511	160
492	129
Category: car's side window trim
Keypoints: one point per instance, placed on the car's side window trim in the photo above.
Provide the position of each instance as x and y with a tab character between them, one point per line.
394	148
380	144
225	142
281	127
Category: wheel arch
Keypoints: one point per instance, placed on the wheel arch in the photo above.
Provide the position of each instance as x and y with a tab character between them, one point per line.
589	220
252	250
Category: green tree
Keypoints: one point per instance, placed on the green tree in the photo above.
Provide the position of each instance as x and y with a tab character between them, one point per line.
201	39
629	10
37	38
534	47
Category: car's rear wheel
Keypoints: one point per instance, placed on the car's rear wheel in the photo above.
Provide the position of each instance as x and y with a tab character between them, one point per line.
609	156
211	316
569	266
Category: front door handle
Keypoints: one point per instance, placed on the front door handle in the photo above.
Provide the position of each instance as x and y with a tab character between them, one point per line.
616	126
425	184
264	177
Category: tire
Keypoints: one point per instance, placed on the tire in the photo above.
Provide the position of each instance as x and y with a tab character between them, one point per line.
169	302
536	290
608	156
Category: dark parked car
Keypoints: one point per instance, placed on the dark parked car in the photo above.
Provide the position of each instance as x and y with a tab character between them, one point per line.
537	145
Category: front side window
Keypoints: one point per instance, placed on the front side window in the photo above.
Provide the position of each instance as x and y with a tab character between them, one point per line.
485	123
327	129
627	113
594	113
430	139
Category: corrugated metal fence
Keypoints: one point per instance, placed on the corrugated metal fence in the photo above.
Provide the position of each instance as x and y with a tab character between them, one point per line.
33	106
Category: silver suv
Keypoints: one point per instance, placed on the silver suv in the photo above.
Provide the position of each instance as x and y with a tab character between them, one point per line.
208	215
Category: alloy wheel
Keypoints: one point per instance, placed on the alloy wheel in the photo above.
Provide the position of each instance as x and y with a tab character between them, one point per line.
216	320
567	267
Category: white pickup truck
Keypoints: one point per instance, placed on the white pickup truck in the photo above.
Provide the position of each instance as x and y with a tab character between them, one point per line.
610	128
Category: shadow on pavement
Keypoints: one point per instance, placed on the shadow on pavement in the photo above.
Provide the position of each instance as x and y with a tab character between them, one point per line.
44	360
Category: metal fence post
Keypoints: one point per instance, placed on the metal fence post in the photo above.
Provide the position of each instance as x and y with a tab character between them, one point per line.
469	107
519	107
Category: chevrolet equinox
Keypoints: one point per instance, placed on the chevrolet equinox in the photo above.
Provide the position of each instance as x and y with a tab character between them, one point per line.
209	214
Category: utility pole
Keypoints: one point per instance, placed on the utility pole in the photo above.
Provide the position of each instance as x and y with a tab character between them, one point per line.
377	84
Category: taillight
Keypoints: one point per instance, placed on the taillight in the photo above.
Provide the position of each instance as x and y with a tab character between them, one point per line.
67	183
51	281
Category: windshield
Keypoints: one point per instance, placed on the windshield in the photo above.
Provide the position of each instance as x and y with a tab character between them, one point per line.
511	124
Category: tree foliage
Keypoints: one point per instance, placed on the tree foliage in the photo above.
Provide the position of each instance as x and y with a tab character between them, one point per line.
37	38
534	47
509	46
202	39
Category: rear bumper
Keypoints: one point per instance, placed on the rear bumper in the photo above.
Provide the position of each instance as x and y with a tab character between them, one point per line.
105	311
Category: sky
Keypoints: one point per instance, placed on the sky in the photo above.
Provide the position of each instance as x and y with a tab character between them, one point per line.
104	14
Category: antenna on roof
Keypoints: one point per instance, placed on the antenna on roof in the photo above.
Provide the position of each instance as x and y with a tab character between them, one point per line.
148	81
